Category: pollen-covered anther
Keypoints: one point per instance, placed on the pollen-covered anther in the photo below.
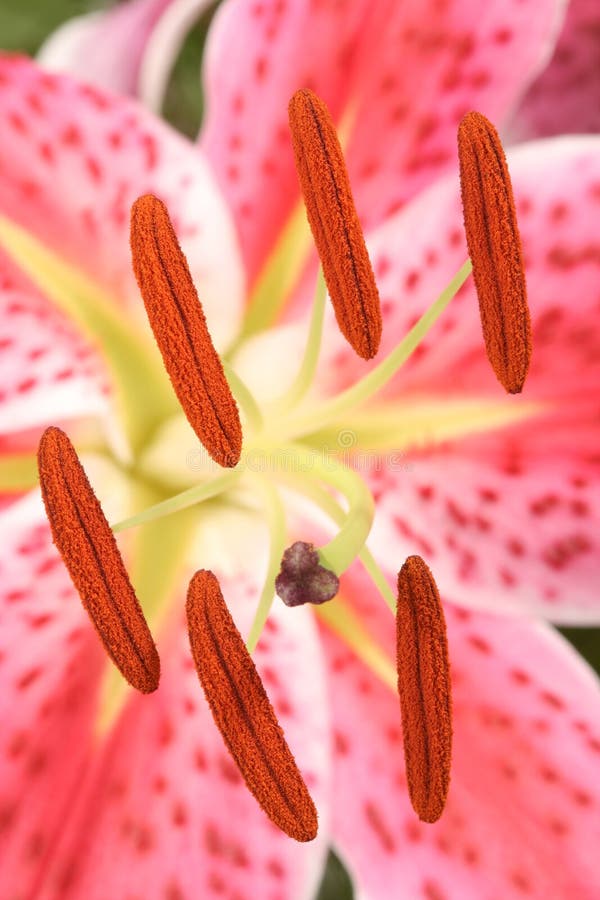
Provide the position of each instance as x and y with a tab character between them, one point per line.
177	319
334	223
243	713
303	579
495	249
424	689
90	553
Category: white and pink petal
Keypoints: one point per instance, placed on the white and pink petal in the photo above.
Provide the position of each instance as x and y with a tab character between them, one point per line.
180	822
73	159
50	670
522	813
48	372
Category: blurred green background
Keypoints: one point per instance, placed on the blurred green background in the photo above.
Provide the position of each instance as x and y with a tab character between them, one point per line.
23	27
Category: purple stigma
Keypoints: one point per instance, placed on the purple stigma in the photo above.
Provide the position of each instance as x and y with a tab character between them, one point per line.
303	579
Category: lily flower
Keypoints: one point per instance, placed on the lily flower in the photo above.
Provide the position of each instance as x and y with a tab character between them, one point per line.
104	792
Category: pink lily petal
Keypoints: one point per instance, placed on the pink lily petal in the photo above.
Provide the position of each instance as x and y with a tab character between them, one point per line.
162	808
522	813
72	161
408	72
50	666
105	48
564	99
515	510
48	372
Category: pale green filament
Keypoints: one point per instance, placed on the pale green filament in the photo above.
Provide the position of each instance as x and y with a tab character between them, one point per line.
323	499
340	553
184	500
278	277
244	398
308	367
277	530
378	377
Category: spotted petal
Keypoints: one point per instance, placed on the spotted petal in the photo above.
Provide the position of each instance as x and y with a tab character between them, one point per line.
50	667
180	822
48	373
406	72
502	495
522	813
72	161
564	98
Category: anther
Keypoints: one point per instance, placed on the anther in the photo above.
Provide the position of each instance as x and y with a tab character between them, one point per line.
177	319
243	713
334	223
424	689
90	553
495	250
302	579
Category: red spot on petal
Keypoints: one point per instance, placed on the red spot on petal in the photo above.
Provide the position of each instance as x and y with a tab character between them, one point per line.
275	868
502	35
94	168
26	385
432	890
340	742
179	815
28	678
479	643
260	68
376	821
521	881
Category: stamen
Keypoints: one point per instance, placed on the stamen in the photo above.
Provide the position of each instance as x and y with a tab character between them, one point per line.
424	688
89	551
243	713
495	250
334	223
177	319
302	579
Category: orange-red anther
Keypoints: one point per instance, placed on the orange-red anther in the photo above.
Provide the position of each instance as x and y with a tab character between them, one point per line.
177	319
495	249
243	712
334	223
90	553
424	688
